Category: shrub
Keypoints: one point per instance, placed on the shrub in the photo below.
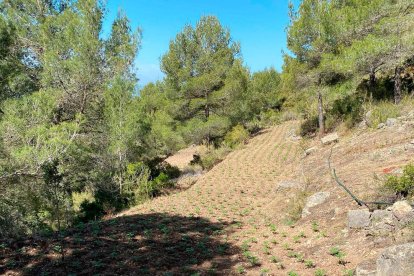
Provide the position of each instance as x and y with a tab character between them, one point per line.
381	112
213	157
238	135
347	109
402	186
309	126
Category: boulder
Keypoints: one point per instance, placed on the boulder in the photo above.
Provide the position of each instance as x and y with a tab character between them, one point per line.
366	268
289	184
396	261
381	125
382	222
391	122
314	200
330	138
401	209
310	150
359	219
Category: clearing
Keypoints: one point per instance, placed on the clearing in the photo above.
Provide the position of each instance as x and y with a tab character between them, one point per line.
236	219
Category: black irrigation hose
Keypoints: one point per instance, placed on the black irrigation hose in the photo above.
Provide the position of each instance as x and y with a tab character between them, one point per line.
342	185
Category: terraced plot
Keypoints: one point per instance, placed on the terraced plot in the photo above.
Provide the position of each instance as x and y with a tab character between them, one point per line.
234	220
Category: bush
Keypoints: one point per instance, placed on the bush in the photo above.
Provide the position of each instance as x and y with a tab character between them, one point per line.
310	126
213	157
347	109
402	186
381	112
238	135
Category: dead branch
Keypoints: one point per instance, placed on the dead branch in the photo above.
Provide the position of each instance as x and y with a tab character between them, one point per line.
342	185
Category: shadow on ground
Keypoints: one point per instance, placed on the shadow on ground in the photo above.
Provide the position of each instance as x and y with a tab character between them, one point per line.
154	244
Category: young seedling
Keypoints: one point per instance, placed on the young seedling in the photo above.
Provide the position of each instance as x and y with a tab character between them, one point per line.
320	272
335	251
274	259
240	269
309	264
315	226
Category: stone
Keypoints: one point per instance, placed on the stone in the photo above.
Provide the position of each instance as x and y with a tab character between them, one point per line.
400	209
289	184
366	268
412	142
310	150
391	122
314	200
368	118
359	219
381	125
396	261
330	138
382	222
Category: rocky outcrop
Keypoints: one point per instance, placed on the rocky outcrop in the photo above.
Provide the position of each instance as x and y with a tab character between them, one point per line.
366	268
396	261
359	219
314	200
288	185
330	138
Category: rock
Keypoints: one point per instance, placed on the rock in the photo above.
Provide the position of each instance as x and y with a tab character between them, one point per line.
363	125
289	184
396	261
310	150
368	118
330	138
401	209
359	219
412	142
391	122
381	125
382	222
314	200
366	268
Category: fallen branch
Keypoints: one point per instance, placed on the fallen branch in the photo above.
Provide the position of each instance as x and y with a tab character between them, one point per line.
342	185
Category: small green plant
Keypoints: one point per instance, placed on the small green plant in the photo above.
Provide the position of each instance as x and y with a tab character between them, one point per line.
315	226
335	251
293	273
253	260
264	270
273	228
348	272
274	259
402	186
309	264
240	269
320	272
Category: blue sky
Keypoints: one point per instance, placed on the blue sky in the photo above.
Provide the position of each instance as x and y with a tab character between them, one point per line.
259	25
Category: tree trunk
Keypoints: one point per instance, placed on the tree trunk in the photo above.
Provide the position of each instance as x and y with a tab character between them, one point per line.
320	115
206	106
397	85
372	81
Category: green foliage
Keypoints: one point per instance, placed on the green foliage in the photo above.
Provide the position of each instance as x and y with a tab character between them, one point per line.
310	126
402	185
320	272
213	156
238	135
382	111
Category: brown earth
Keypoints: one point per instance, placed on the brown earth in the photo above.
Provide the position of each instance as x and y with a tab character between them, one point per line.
234	220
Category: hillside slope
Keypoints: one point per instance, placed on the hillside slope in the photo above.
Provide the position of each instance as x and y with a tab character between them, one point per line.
237	217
